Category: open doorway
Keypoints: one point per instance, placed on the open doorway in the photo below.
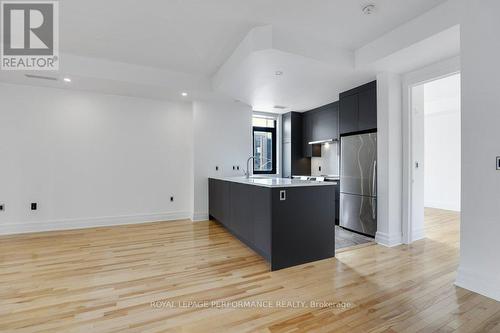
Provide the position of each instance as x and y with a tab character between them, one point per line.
436	154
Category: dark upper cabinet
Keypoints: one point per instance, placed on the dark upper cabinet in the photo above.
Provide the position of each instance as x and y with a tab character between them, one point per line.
307	126
293	161
320	124
348	117
368	109
325	122
358	109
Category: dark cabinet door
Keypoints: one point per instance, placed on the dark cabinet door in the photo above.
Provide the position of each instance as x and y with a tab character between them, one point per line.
320	124
367	109
262	211
349	114
307	135
326	123
242	211
219	201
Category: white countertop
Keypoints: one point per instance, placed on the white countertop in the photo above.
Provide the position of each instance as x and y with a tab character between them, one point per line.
274	182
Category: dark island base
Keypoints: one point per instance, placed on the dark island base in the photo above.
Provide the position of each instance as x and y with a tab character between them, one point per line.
289	232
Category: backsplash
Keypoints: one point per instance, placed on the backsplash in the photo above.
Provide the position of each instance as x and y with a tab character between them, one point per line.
329	160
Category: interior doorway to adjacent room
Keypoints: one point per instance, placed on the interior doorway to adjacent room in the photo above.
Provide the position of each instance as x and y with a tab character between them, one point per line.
435	150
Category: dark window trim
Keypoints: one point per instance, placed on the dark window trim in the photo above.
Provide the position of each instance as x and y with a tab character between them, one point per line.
273	135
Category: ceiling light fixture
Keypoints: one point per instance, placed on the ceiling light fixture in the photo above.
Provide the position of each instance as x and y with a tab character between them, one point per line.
67	79
184	94
369	9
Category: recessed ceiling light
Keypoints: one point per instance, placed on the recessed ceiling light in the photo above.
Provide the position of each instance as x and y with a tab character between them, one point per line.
67	79
184	94
281	107
278	73
369	9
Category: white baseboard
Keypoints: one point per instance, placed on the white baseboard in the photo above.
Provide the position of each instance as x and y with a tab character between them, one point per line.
388	240
442	205
485	285
199	216
27	227
417	234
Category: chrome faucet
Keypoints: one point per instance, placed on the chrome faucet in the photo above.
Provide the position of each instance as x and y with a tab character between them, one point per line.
247	173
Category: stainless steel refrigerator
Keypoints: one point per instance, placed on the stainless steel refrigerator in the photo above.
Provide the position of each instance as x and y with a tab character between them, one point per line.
358	183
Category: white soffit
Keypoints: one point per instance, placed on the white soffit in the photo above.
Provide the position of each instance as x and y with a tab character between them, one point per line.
305	81
428	38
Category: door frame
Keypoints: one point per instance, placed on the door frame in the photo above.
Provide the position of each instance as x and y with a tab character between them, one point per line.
430	73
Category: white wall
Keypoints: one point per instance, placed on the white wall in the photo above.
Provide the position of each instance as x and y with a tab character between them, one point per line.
90	159
389	159
442	143
480	221
417	166
329	161
223	138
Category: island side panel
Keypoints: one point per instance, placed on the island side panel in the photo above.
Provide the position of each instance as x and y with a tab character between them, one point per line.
303	225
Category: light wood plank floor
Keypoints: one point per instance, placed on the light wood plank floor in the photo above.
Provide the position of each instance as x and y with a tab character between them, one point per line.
104	280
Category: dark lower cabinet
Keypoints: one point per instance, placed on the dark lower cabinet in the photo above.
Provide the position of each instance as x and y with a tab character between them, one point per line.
245	211
337	204
219	209
286	233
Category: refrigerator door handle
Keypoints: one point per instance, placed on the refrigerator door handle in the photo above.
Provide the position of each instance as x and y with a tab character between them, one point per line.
374	209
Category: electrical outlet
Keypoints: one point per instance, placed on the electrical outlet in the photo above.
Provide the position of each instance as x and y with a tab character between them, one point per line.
2	207
216	168
234	168
172	199
282	195
319	168
237	167
34	206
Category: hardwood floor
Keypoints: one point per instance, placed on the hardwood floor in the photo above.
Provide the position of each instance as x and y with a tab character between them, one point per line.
105	280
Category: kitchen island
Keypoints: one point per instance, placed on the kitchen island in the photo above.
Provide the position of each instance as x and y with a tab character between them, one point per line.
287	221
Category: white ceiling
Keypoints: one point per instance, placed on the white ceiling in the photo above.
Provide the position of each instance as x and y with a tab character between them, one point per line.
197	36
160	48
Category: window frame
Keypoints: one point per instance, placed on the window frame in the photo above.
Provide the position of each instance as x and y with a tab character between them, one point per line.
271	130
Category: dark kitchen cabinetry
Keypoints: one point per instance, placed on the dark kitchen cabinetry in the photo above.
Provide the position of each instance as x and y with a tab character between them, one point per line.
319	125
219	208
293	160
358	109
286	232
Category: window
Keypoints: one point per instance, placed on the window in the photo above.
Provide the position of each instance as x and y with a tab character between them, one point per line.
264	145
